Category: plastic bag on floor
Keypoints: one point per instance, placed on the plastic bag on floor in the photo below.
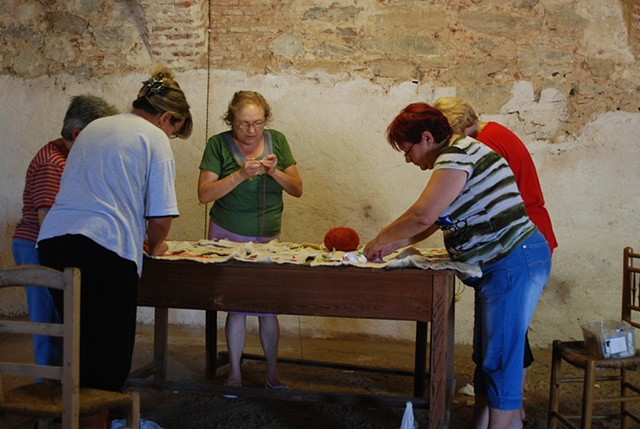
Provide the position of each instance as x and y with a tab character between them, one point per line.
144	424
467	390
407	420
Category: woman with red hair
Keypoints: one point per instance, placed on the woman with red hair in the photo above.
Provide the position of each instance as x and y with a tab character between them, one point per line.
464	120
473	198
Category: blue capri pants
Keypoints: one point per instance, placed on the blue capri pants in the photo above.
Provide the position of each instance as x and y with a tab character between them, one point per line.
505	298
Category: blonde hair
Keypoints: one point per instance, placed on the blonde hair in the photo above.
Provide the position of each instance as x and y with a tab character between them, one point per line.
160	94
243	98
458	112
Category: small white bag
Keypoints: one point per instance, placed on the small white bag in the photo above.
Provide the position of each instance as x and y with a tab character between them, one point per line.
407	419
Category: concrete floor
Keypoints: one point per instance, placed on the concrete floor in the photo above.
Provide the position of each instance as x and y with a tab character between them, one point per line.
189	409
186	350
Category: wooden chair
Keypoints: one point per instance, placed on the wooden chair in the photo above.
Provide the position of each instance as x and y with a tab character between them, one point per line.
601	370
51	399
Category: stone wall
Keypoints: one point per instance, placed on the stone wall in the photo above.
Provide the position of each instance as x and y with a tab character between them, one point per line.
481	47
96	38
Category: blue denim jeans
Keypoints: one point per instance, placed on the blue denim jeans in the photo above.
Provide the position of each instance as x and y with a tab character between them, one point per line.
46	350
505	298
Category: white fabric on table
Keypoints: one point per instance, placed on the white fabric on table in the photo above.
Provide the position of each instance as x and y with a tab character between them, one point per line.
218	251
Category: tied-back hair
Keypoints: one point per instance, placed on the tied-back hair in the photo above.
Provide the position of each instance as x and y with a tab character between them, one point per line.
82	110
243	98
160	94
458	112
413	120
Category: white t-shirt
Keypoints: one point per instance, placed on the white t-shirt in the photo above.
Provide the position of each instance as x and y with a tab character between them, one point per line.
119	172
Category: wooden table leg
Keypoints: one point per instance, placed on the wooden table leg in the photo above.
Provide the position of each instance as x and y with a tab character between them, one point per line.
420	360
160	341
442	332
211	343
450	374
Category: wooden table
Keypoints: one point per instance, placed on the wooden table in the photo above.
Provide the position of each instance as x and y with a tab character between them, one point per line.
423	296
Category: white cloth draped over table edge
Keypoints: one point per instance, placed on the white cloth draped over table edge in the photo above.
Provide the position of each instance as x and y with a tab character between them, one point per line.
278	252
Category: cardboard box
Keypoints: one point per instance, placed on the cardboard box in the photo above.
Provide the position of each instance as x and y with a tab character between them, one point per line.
609	339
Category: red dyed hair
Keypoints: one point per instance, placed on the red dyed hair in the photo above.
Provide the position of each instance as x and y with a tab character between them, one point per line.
413	120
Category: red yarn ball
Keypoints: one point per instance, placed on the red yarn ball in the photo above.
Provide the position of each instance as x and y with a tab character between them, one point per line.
342	238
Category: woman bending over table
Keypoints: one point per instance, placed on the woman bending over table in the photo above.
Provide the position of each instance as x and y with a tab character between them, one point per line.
118	186
464	120
244	172
473	198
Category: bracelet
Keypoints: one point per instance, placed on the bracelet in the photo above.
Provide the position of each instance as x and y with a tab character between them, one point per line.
233	183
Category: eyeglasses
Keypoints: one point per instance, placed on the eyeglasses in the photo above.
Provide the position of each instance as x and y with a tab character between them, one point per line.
176	131
407	152
244	126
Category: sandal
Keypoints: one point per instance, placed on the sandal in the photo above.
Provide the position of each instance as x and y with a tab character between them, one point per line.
270	386
230	395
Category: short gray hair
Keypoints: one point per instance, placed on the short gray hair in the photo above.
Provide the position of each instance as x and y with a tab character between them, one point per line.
82	110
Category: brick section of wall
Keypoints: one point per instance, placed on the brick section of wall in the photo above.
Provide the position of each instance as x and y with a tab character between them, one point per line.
241	31
177	31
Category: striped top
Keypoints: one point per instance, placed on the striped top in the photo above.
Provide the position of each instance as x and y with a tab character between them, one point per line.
42	183
488	219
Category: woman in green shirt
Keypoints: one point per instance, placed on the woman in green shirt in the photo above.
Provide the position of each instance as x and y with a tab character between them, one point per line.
243	173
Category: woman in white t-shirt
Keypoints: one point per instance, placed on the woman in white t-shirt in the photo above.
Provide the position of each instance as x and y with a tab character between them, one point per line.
117	191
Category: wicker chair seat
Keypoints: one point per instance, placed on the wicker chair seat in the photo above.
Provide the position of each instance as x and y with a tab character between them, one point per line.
576	354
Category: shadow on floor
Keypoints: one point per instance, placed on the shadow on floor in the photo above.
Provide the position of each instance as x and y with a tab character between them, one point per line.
186	362
187	409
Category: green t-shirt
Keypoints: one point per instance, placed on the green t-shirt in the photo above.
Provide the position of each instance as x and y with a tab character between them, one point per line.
255	201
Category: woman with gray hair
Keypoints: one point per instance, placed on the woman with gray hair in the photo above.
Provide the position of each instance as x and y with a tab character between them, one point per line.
42	182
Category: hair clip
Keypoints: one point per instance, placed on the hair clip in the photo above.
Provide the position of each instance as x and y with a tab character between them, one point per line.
153	86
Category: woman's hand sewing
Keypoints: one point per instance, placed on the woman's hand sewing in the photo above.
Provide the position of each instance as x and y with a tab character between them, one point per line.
251	168
270	162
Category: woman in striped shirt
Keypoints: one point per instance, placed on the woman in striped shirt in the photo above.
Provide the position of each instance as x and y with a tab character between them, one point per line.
473	198
42	182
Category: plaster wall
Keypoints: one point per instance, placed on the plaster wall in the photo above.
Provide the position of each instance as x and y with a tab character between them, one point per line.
352	177
335	121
